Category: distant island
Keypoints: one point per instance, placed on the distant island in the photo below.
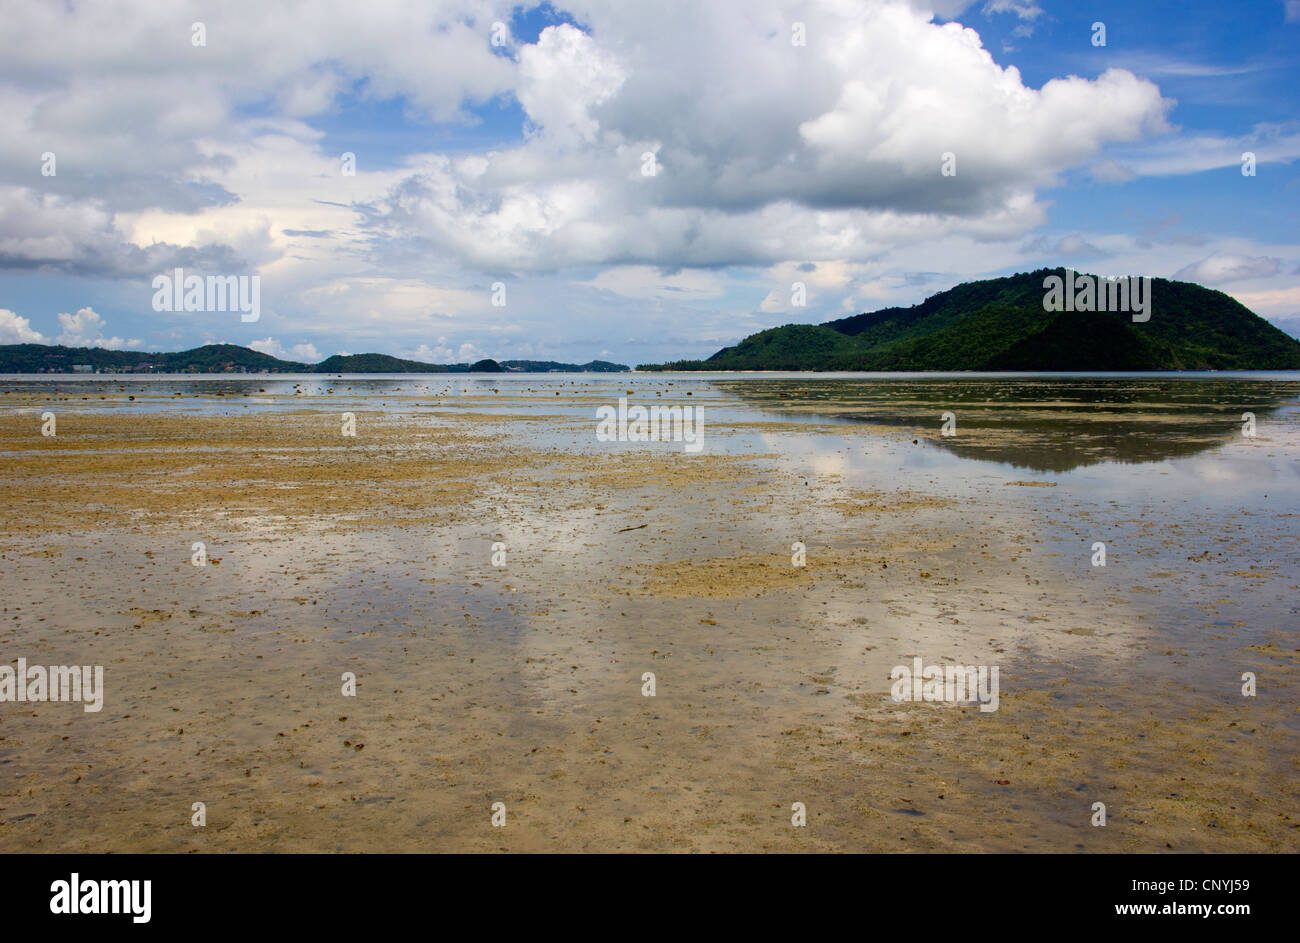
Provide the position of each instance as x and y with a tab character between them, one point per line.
1002	324
231	358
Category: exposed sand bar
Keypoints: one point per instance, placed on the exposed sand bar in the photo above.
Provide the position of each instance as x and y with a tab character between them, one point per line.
522	683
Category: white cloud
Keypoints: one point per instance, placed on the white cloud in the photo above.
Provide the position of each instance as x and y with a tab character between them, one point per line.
426	354
16	330
1272	303
301	353
1225	267
821	282
643	281
86	329
1025	9
142	121
827	152
1270	143
562	78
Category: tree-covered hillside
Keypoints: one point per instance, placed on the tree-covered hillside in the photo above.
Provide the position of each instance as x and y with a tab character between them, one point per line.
1001	324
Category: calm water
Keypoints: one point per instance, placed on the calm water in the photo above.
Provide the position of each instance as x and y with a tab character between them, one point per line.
1112	448
1041	423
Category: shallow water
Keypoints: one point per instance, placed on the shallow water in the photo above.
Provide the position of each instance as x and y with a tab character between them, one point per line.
523	681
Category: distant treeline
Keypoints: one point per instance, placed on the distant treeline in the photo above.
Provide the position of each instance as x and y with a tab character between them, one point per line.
231	358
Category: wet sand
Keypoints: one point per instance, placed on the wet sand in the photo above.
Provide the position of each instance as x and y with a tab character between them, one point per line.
522	683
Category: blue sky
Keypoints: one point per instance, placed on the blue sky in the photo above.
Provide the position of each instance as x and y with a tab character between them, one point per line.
521	164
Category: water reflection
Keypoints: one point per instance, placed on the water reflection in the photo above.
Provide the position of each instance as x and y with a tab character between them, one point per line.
1049	424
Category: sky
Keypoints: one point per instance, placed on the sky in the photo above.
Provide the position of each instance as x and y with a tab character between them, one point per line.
635	182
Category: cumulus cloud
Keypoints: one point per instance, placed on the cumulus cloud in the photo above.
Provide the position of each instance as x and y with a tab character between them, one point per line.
830	150
426	354
120	66
41	231
833	150
1224	267
137	119
301	353
86	329
17	330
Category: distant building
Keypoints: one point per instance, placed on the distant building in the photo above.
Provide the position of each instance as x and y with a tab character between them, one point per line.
82	368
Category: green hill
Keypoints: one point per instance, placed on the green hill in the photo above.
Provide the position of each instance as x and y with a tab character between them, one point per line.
374	363
553	366
1001	324
212	358
229	358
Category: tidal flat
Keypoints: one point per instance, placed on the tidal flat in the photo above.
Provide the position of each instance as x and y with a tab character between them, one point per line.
500	582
